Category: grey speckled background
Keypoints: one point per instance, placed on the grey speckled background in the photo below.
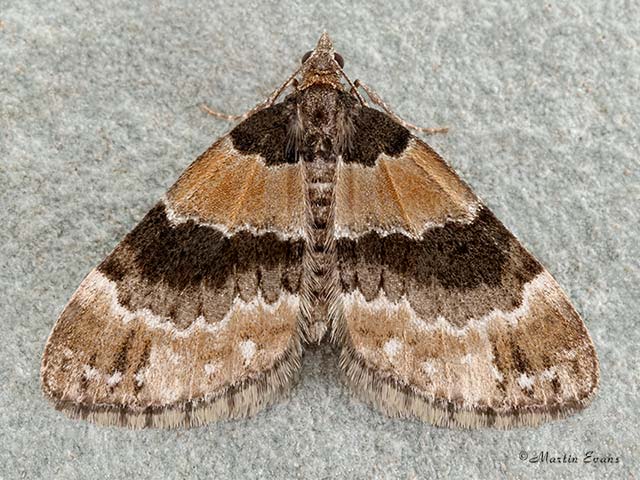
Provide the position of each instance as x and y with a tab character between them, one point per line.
99	114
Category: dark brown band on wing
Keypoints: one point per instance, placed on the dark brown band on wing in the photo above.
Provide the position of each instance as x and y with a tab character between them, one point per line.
178	270
358	133
373	132
457	255
459	271
267	133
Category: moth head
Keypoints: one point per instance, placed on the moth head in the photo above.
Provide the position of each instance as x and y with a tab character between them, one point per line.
336	56
322	65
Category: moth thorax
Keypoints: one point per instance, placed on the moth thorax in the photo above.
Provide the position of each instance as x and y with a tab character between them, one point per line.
318	114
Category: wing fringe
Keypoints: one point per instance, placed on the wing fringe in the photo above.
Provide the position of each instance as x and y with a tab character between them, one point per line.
397	400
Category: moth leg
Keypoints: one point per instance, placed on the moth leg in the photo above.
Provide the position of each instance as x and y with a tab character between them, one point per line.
224	116
354	88
236	118
375	98
292	80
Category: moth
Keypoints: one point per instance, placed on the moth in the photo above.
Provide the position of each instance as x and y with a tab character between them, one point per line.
320	218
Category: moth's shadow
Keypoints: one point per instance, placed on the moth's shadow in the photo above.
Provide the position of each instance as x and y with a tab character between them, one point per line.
320	380
320	361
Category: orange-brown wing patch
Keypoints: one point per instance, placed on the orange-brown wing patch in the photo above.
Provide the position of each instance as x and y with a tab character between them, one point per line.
407	193
236	191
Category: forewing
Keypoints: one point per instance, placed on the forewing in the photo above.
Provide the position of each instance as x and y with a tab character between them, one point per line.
445	316
194	315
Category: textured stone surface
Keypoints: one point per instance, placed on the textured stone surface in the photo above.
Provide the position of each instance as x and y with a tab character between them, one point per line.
99	114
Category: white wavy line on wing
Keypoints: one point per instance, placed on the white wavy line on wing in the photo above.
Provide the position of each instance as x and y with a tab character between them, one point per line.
541	282
97	281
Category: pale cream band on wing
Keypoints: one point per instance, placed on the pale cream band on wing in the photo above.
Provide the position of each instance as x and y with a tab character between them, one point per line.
407	194
234	192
